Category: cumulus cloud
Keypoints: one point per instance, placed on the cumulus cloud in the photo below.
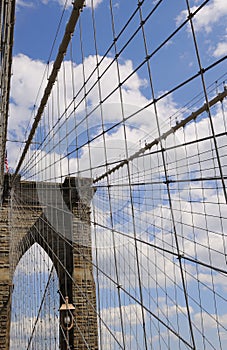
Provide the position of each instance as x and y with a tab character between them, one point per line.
88	3
67	3
31	275
208	17
221	49
25	326
210	320
152	214
26	82
111	316
131	314
24	3
93	3
27	75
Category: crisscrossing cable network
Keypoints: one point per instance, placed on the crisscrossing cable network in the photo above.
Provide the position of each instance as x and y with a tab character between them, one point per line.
118	199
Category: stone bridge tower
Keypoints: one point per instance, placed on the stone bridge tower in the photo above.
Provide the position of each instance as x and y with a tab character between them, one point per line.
57	217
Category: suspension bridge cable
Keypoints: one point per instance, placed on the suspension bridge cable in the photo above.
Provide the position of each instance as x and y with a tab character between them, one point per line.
142	247
56	132
77	6
147	59
179	125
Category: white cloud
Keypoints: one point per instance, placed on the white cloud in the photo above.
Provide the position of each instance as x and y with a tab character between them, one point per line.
210	320
164	274
68	3
29	287
215	279
21	331
88	3
131	314
26	79
157	270
24	3
94	3
107	340
132	320
211	14
221	49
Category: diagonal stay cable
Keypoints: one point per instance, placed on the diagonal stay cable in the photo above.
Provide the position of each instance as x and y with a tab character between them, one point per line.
114	282
40	308
69	30
134	71
125	291
172	130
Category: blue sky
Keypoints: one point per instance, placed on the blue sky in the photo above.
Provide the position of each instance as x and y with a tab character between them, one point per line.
35	31
36	25
37	22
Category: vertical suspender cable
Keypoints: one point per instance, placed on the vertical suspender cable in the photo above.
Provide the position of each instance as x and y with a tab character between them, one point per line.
77	7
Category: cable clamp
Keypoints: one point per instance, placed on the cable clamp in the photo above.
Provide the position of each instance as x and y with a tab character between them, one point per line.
180	256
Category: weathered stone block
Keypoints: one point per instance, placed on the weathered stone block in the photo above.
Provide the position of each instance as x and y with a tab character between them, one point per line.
58	219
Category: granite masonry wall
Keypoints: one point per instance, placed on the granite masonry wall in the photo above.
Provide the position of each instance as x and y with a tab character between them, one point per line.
58	218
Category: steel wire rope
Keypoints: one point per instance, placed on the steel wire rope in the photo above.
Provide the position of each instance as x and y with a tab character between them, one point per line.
214	140
122	112
40	308
109	49
213	87
220	96
106	164
46	67
141	24
113	281
156	182
77	6
56	257
172	178
208	233
171	130
125	26
35	260
220	233
146	155
194	324
184	257
163	136
167	185
98	134
142	241
145	61
190	16
193	277
213	133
